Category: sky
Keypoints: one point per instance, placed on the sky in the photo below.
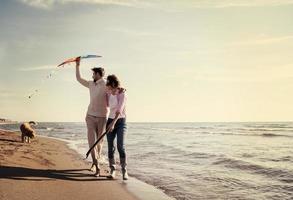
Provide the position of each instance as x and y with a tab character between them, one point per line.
180	60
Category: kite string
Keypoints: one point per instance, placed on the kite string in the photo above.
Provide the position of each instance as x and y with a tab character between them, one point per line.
47	77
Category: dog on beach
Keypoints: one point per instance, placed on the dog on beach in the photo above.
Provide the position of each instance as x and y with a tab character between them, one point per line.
27	131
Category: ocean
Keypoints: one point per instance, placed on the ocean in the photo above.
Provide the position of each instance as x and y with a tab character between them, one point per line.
189	161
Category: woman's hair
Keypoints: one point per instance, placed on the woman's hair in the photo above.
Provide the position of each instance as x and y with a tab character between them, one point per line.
113	81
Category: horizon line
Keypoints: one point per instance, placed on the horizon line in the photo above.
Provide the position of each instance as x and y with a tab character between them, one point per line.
282	121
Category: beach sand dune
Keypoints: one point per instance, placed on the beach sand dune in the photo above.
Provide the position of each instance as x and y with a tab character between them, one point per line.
48	169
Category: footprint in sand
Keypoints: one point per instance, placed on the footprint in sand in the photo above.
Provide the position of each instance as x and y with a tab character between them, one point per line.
8	152
25	157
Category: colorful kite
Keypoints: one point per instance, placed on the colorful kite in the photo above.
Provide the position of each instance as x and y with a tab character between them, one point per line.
50	75
81	57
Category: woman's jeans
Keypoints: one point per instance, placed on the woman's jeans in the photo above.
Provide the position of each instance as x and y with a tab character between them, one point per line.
119	131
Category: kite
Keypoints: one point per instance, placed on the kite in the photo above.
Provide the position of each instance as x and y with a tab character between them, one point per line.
74	59
68	61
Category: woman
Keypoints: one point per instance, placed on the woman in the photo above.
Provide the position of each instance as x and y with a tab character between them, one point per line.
116	124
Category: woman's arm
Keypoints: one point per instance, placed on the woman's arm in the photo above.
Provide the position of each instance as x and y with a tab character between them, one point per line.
111	126
120	107
121	102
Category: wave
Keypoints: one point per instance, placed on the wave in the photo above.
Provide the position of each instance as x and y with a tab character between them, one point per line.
250	134
44	128
225	131
49	128
259	129
271	125
280	174
280	159
274	135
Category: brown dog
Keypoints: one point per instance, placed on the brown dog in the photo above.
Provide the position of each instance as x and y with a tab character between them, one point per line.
27	132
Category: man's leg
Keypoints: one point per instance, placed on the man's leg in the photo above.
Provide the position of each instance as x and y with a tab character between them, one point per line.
91	129
100	126
100	129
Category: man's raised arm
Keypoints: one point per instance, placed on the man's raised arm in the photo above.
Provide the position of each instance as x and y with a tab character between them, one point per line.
78	77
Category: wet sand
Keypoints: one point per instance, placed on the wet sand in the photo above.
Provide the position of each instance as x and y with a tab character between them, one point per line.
48	169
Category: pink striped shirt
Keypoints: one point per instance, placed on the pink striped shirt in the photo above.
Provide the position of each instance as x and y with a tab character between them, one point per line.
117	103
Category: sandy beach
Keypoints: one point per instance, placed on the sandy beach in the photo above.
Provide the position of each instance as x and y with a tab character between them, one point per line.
48	169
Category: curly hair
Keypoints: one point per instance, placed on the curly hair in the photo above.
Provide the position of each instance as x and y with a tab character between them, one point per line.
113	81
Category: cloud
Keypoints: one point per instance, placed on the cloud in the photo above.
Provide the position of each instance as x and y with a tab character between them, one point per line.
5	93
2	52
50	3
132	32
45	67
263	41
238	3
39	3
259	74
166	4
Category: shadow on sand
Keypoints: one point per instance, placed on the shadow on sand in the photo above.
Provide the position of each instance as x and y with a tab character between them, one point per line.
8	140
22	173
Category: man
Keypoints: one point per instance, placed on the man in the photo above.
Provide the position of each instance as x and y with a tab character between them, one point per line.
96	116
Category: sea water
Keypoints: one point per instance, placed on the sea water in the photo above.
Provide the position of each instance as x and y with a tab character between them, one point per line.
245	160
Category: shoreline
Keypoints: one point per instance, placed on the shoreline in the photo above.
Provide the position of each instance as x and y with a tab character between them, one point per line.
138	188
135	187
47	168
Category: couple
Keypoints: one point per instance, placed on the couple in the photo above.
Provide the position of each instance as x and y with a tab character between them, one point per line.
104	95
